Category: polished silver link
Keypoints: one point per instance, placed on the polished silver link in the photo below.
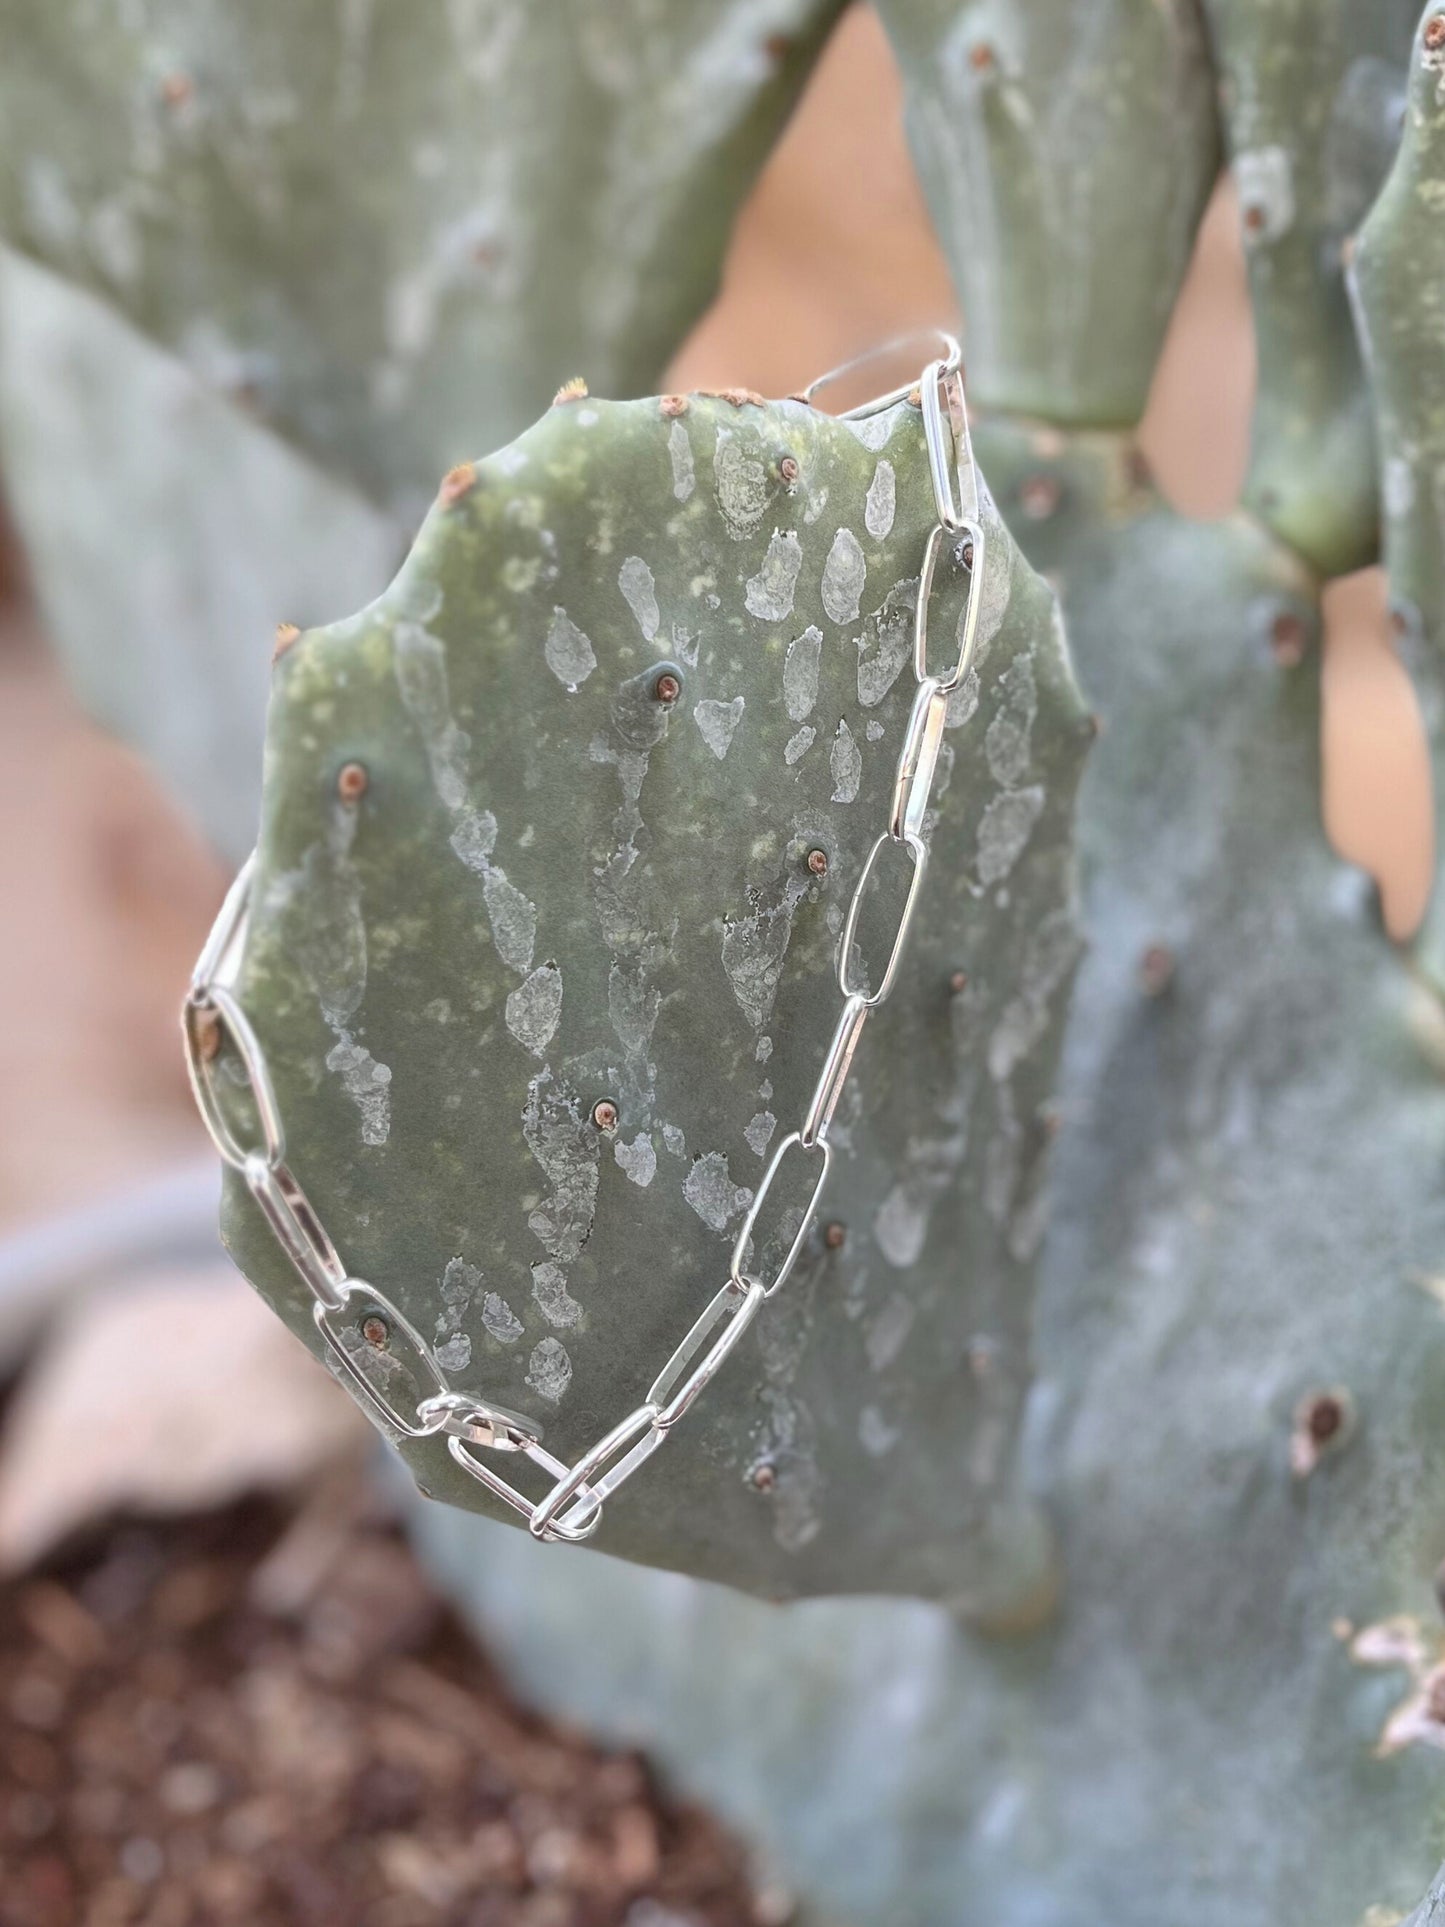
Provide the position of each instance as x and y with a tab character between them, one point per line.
969	536
950	452
793	1141
297	1229
220	1008
413	1425
221	951
918	762
834	1074
918	852
636	1437
675	1388
571	1510
502	1489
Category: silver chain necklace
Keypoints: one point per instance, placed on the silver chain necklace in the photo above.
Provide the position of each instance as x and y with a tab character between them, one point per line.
475	1431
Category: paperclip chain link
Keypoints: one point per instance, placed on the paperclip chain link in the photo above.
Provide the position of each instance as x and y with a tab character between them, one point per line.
571	1509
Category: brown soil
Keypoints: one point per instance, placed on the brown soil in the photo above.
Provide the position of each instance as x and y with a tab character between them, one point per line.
272	1719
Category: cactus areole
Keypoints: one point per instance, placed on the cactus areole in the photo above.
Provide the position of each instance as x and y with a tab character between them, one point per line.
648	761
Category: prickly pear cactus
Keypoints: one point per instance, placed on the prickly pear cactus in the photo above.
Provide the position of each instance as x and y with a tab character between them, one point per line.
1399	286
1312	95
503	881
1034	127
382	233
392	231
167	534
1240	1352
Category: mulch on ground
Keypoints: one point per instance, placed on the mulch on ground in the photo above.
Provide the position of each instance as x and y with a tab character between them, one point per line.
268	1718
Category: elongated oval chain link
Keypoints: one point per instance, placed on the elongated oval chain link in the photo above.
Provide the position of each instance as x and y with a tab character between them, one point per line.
571	1509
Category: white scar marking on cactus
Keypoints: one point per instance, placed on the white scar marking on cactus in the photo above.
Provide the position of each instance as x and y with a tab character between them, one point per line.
587	418
1005	829
49	205
366	1082
513	918
886	643
764	1050
1053	950
534	1008
994	594
875	1434
800	673
1397	486
568	1149
685	644
963	703
421	675
845	760
788	1446
718	723
638	1160
759	1131
1265	180
1006	742
453	1346
769	593
844	575
679	447
331	948
570	655
874	731
635	580
799	744
900	1226
753	949
886	1333
674	1141
740	480
874	431
549	1288
711	1192
632	1005
549	1370
500	1320
878	508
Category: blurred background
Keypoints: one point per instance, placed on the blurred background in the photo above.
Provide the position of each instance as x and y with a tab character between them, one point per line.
191	1676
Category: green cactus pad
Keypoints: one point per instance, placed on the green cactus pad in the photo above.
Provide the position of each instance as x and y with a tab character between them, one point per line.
1398	280
557	890
1227	1724
1311	96
1036	127
390	230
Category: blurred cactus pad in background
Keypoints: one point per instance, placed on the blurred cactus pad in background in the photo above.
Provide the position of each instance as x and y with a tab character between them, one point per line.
1149	1455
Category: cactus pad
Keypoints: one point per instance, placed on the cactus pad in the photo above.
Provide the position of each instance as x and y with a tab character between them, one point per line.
548	891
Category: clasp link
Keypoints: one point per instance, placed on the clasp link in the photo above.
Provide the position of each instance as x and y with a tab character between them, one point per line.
462	1416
